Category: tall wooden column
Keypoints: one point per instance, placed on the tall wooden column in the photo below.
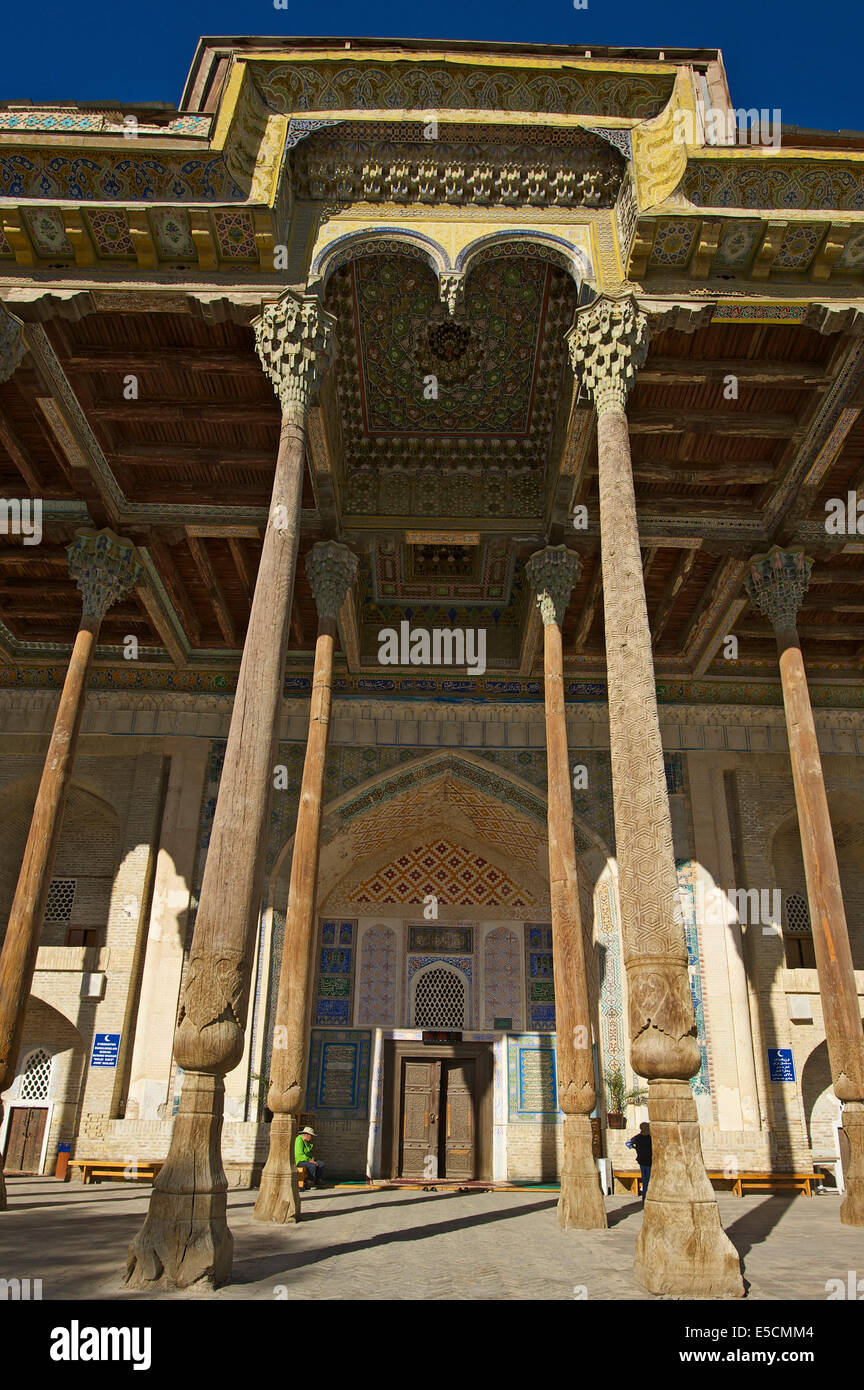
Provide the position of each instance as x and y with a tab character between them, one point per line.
185	1238
104	568
331	570
552	574
776	584
682	1248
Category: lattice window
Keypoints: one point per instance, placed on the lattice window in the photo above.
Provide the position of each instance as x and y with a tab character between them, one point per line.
439	999
36	1077
61	896
797	916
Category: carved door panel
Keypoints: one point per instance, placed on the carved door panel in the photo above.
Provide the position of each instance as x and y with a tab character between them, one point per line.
24	1139
421	1088
458	1119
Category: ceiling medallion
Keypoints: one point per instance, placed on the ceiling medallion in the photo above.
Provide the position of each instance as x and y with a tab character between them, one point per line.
449	349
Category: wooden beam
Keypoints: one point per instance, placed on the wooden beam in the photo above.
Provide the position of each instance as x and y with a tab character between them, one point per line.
214	589
186	455
674	584
176	590
741	422
586	617
153	606
708	240
205	410
823	262
296	625
169	359
20	456
242	566
823	632
685	371
772	240
223	530
720	475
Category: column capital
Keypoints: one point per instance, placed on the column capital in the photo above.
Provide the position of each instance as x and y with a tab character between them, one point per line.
104	567
608	344
552	574
12	347
293	339
776	583
331	570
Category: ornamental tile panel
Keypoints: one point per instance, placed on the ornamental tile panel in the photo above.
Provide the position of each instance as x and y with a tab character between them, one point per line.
110	232
799	246
173	237
737	244
376	989
49	235
502	979
92	176
456	876
235	235
673	244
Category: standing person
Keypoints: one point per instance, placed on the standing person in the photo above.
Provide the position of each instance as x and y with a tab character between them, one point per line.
304	1158
641	1142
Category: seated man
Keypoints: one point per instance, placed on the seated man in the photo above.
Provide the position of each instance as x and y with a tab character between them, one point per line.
303	1156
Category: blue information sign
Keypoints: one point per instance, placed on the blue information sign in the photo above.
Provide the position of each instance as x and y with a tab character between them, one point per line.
781	1064
106	1048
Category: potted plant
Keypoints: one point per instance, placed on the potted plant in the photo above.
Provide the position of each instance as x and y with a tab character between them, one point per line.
620	1098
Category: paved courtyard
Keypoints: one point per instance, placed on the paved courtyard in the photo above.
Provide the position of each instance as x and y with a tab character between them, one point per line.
360	1244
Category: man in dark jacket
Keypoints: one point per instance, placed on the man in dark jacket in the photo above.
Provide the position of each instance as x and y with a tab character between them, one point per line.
641	1142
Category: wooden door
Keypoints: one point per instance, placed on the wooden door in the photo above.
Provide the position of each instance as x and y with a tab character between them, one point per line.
24	1139
458	1116
421	1089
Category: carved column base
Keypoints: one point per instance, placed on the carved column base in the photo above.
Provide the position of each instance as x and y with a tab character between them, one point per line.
279	1195
185	1239
852	1207
580	1206
682	1249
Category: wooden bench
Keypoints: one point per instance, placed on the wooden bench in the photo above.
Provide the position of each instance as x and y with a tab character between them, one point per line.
760	1182
751	1182
93	1169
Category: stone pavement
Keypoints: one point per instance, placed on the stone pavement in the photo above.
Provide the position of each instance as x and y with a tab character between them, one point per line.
356	1244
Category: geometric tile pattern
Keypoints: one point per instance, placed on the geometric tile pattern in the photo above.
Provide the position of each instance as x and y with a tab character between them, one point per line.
456	876
673	244
173	238
47	230
611	979
799	246
236	236
110	232
376	988
502	977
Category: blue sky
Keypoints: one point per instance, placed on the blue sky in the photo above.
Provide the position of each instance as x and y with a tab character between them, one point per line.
799	57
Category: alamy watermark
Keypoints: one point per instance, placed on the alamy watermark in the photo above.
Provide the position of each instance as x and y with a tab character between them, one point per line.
442	646
751	907
21	516
750	126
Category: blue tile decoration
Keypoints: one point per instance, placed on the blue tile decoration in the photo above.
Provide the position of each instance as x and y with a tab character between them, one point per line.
346	933
700	1084
335	961
328	934
532	1079
338	1083
673	764
542	1016
334	1011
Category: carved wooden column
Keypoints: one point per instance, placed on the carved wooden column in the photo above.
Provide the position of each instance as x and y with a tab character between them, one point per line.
552	574
104	567
331	570
776	584
682	1248
185	1238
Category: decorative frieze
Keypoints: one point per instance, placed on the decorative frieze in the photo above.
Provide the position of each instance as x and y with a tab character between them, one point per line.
293	340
